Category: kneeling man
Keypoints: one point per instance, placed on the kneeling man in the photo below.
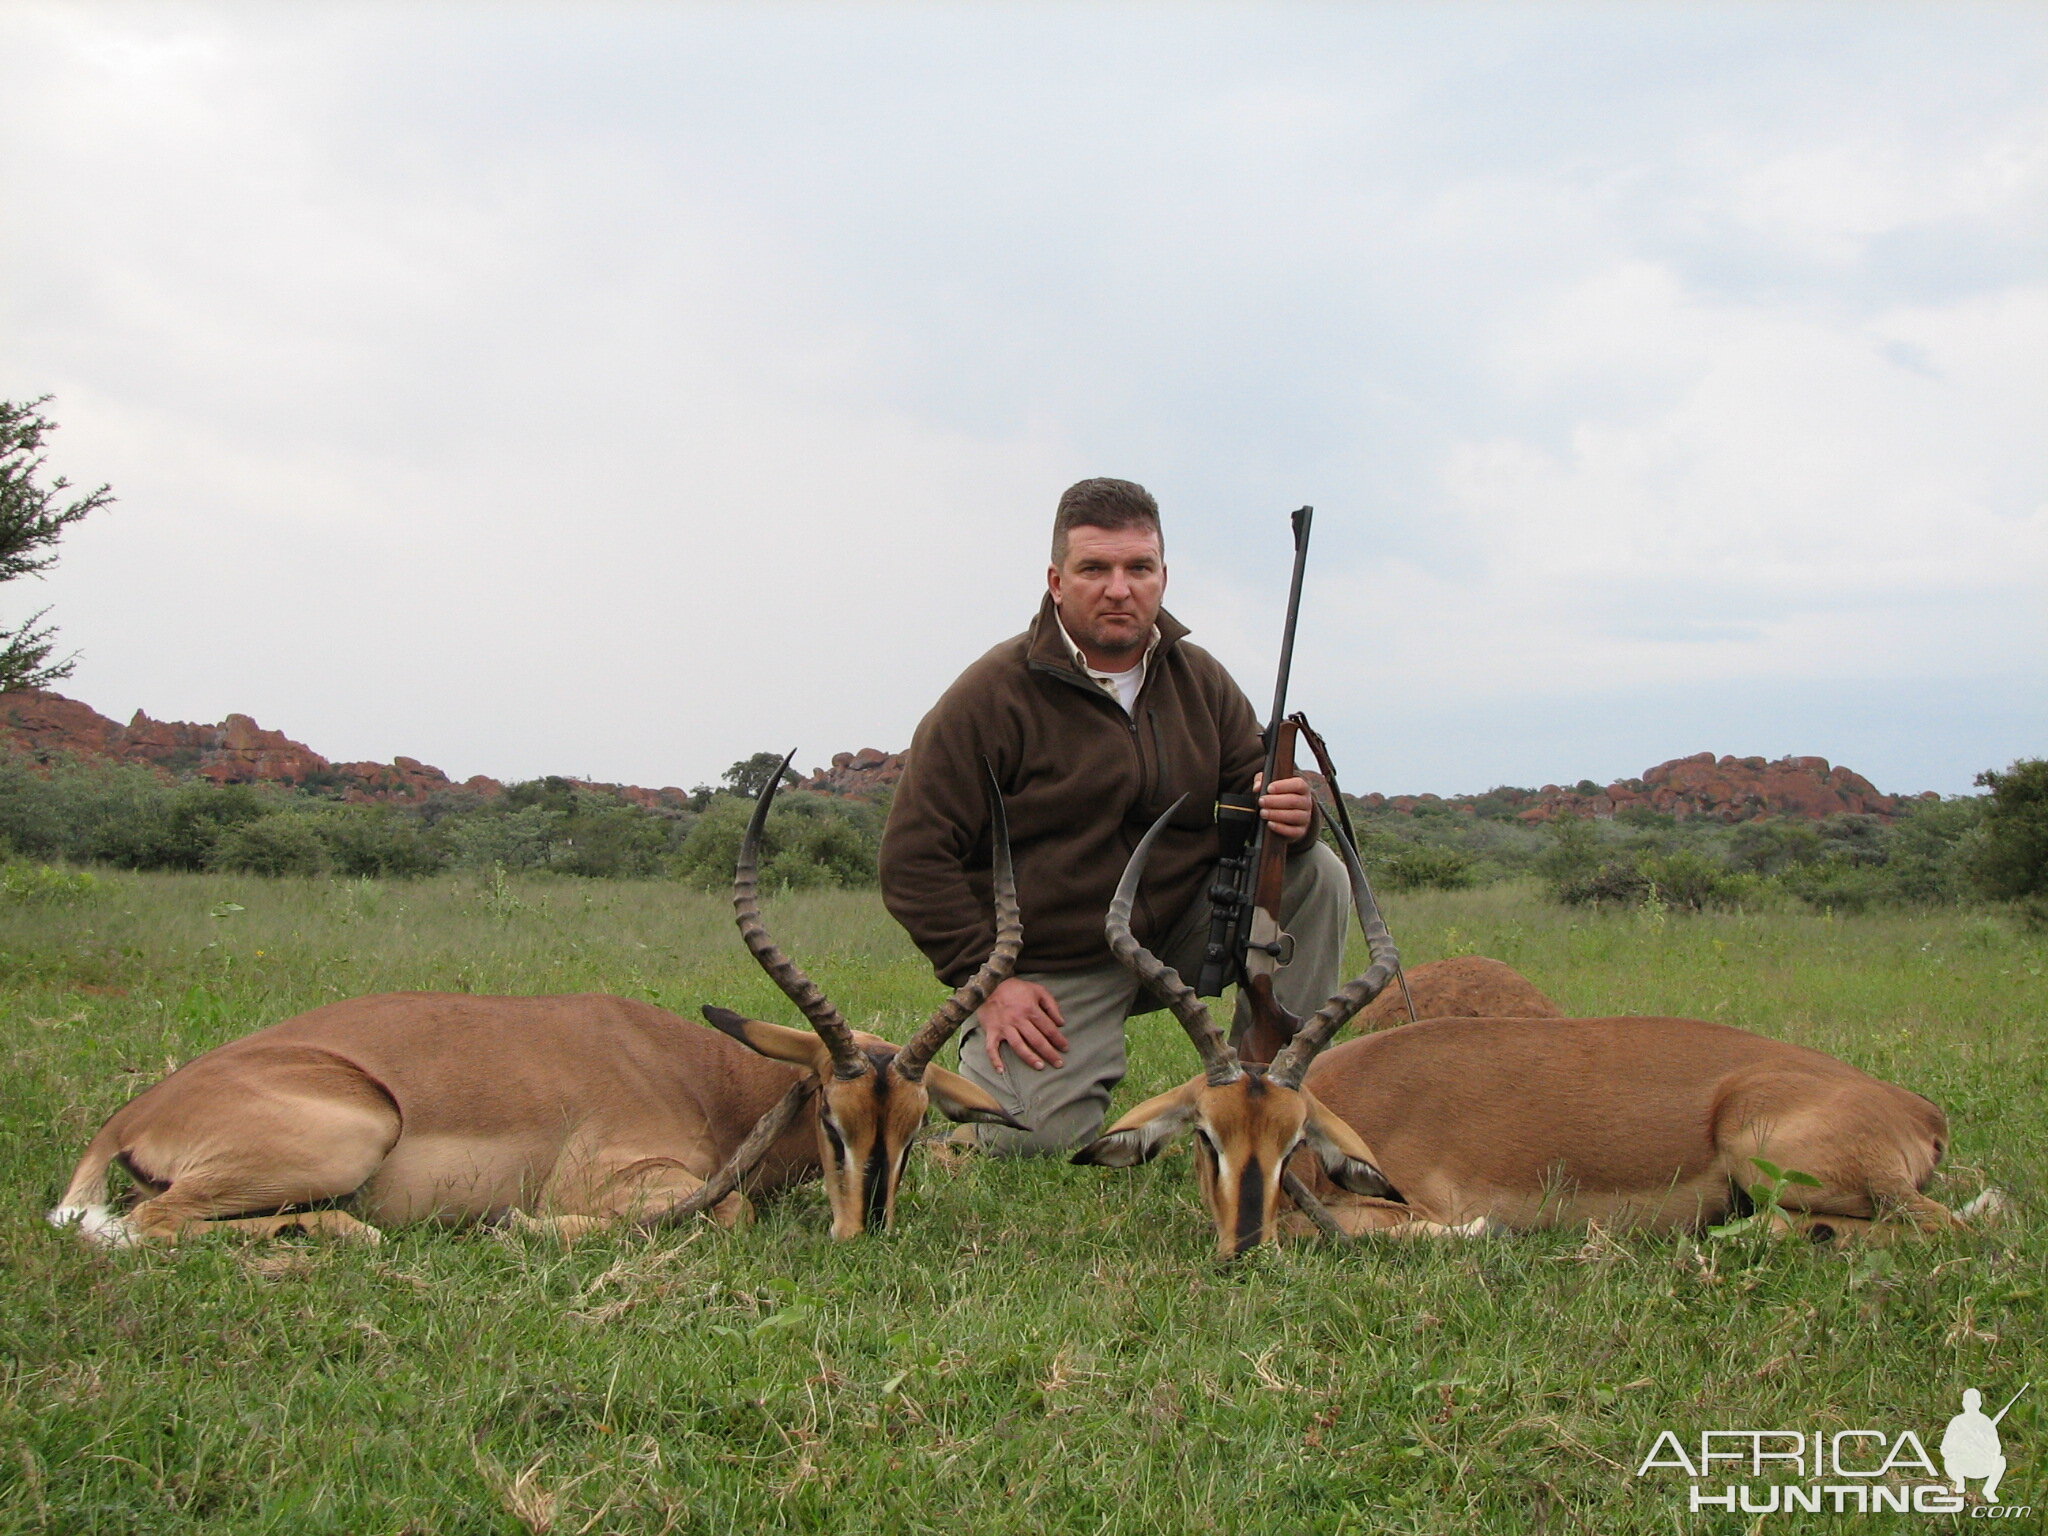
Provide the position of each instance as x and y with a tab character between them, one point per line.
1094	721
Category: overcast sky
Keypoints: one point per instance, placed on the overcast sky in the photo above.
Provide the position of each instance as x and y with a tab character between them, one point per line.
619	390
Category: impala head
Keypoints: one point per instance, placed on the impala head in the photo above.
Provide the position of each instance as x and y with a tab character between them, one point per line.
872	1094
1247	1120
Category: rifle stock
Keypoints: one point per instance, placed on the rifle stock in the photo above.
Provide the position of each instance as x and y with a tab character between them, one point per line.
1267	947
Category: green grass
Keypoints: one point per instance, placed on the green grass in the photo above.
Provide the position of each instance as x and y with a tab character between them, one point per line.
1038	1347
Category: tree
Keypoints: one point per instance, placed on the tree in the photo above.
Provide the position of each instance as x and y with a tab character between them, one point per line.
31	522
752	776
2011	860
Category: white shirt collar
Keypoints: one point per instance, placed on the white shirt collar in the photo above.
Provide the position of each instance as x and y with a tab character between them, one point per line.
1122	686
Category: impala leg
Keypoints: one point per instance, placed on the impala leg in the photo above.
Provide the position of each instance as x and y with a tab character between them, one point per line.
327	1223
1815	1228
580	1204
315	1132
1872	1147
187	1207
1363	1215
1903	1214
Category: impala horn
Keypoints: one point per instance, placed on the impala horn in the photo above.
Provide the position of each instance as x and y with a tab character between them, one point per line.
1002	960
1291	1065
1219	1060
848	1059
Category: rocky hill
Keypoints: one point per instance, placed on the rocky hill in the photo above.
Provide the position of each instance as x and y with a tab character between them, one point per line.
1727	789
1720	789
865	772
239	751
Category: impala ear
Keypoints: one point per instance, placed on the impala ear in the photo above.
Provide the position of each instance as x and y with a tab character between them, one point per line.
960	1099
1343	1153
1145	1132
778	1042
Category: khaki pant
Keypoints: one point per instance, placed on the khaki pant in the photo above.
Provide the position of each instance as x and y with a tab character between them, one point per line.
1065	1105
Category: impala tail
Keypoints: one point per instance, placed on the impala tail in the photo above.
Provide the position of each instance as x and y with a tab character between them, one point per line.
84	1205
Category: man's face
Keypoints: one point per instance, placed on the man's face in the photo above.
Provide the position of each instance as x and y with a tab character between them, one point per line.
1108	590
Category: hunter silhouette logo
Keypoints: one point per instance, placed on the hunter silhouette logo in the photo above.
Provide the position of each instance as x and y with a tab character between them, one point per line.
1970	1448
1845	1471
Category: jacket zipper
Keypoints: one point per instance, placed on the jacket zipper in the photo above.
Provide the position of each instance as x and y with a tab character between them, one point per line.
1088	686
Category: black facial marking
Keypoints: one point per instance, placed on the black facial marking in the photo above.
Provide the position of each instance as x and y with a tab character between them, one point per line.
875	1187
874	1176
838	1142
1251	1203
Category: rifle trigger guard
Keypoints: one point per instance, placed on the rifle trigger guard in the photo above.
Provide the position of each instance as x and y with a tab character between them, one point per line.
1281	949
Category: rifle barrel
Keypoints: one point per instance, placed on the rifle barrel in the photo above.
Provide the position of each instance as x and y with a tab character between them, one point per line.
2008	1407
1301	521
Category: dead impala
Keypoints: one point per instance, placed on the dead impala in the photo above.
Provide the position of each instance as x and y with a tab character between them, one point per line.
1467	1125
579	1111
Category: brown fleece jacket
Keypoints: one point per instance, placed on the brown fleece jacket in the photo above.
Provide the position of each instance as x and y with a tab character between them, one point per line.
1081	781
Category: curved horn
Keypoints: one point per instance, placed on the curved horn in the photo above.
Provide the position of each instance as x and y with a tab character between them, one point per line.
848	1059
1291	1065
1218	1059
1002	960
766	1132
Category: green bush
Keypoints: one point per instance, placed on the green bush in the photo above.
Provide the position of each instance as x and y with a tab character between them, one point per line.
139	822
29	822
502	838
288	843
810	840
375	840
1926	858
1574	853
1693	881
558	825
1428	869
1839	885
1775	845
1619	881
606	838
2009	859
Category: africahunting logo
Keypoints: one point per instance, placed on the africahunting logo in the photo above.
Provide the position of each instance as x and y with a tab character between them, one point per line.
1844	1471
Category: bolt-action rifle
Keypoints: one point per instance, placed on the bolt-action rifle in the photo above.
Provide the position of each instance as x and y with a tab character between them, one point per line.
1247	945
1246	942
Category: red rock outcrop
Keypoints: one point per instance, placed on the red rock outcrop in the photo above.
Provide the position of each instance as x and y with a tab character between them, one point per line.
865	772
236	751
1728	789
239	751
667	799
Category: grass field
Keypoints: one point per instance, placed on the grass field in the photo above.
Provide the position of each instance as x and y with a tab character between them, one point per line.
1038	1347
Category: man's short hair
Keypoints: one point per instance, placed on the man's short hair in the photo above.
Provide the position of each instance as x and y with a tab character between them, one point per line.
1102	503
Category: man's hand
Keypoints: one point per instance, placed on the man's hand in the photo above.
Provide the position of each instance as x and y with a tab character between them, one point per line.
1287	807
1022	1015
